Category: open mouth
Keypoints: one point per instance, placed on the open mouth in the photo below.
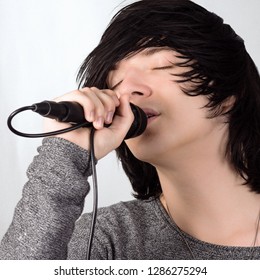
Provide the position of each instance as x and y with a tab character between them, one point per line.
151	114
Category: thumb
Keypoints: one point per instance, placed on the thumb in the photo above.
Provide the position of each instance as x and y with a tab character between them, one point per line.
124	117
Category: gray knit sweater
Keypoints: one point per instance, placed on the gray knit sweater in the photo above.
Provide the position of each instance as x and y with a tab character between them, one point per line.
48	224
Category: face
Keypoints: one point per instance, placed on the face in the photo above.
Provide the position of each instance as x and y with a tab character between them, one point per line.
177	122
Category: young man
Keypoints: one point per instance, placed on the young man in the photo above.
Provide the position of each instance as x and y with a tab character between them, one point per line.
194	170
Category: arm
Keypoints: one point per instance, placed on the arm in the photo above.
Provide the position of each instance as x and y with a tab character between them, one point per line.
53	199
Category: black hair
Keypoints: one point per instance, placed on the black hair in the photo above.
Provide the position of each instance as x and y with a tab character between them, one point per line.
221	68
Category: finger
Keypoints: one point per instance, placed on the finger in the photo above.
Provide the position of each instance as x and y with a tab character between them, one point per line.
105	105
124	117
98	105
113	95
93	107
109	101
86	99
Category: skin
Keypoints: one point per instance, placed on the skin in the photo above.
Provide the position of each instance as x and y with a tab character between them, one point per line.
201	190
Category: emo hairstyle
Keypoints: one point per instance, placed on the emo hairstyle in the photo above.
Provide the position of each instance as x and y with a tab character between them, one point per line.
221	68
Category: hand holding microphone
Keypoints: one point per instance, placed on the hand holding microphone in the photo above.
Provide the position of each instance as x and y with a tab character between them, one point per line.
114	119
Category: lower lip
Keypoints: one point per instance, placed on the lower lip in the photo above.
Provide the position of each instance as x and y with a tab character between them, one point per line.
151	119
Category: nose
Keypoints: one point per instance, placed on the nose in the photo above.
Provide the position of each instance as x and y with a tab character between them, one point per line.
135	84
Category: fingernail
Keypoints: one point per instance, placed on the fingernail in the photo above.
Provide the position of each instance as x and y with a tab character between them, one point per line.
109	117
100	122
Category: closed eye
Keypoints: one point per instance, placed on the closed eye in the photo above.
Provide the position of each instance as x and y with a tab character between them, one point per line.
154	68
117	84
163	67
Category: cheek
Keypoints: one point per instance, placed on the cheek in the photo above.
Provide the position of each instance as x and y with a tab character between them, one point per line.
186	119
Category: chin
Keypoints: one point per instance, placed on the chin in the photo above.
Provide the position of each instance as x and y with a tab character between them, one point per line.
142	153
146	147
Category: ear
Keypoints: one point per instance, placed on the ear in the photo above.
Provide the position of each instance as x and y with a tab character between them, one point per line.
228	104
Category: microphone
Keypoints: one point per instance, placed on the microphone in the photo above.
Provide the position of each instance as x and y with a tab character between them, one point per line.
73	112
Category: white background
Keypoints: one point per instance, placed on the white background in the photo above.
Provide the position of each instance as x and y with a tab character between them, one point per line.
42	44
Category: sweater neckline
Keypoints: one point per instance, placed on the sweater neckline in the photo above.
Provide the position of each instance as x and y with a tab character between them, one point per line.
161	211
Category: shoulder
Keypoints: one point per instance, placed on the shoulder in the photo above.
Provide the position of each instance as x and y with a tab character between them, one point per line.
124	212
118	227
128	218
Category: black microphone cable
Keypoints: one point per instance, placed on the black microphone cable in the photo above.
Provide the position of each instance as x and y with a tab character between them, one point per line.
95	194
73	112
39	135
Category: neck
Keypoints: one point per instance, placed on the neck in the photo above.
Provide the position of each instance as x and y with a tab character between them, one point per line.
204	195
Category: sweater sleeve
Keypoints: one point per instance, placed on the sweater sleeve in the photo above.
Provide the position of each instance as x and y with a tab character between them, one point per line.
52	201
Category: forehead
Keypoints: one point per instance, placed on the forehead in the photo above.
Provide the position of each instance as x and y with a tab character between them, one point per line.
151	51
148	52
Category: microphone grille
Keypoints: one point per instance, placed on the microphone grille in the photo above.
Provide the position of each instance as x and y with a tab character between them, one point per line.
139	124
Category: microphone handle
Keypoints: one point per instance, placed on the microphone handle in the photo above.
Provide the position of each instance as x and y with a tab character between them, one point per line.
60	111
73	112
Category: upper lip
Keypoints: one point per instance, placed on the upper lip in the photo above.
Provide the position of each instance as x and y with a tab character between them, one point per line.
150	112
